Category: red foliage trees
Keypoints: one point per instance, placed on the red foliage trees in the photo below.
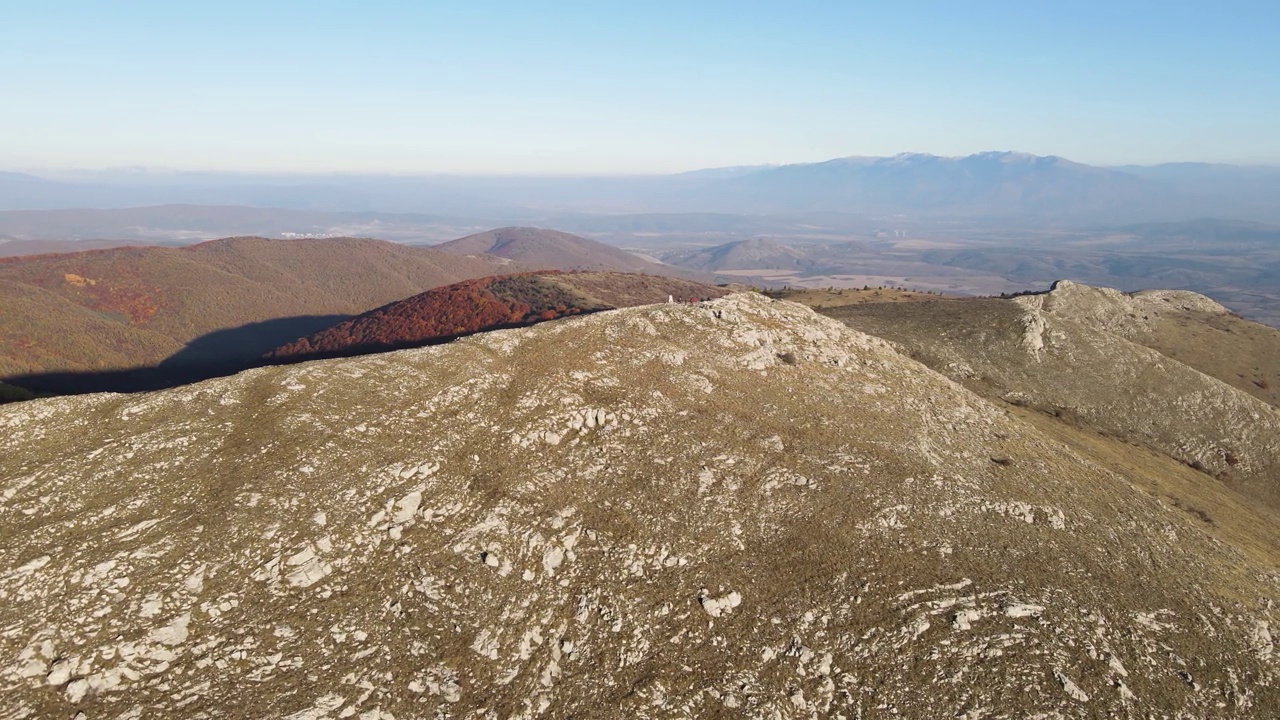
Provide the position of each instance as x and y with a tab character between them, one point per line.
443	313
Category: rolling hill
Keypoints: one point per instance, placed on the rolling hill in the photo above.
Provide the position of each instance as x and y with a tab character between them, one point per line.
766	254
737	508
488	303
550	248
200	308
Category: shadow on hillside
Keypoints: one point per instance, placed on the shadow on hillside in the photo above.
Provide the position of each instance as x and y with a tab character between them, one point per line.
219	353
226	352
372	348
245	345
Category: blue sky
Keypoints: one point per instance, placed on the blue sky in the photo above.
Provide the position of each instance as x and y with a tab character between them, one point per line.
619	87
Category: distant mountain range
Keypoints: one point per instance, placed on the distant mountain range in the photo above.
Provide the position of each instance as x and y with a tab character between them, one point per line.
993	185
987	184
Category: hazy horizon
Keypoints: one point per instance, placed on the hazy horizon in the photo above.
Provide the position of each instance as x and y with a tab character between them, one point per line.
138	171
584	89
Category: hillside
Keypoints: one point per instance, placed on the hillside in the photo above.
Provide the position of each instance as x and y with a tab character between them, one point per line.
9	393
488	303
1079	354
210	305
737	508
553	249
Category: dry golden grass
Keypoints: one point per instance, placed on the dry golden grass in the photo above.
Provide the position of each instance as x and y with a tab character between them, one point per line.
1221	512
1243	354
821	299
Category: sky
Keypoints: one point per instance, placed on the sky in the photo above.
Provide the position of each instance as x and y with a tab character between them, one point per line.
489	86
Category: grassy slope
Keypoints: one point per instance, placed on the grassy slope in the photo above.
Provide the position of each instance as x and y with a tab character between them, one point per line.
1243	354
821	299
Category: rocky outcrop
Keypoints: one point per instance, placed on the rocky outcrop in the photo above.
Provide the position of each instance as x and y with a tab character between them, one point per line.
1114	311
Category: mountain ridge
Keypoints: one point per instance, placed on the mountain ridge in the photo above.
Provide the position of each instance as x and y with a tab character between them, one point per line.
984	184
734	508
1077	353
1049	189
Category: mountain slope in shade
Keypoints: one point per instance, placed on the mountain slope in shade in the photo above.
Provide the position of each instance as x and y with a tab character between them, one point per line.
11	393
731	509
553	249
133	307
485	304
